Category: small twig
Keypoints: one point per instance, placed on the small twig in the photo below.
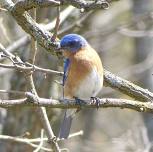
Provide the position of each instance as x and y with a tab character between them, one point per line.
87	5
79	133
3	9
2	49
32	100
76	23
56	25
31	68
41	142
33	42
63	16
21	66
9	55
18	44
23	141
26	5
48	128
32	142
13	92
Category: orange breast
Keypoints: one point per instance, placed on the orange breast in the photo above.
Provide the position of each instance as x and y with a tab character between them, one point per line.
81	64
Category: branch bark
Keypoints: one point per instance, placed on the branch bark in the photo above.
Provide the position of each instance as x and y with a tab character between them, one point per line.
42	36
25	5
127	87
87	5
32	100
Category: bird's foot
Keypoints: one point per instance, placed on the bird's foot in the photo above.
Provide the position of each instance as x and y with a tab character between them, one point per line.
95	100
78	102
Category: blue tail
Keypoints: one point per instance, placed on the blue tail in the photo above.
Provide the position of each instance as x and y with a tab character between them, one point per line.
66	124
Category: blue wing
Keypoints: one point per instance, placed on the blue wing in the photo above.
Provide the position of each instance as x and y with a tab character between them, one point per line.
66	69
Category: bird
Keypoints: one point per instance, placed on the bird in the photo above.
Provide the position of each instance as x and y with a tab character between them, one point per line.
83	75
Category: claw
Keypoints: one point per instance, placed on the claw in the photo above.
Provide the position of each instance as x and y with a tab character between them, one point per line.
78	102
95	100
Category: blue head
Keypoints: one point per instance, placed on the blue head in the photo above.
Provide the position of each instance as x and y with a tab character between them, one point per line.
73	42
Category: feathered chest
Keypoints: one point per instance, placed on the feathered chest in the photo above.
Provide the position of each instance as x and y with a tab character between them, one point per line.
84	75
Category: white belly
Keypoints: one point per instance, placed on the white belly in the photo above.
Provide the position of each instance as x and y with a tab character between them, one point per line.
90	86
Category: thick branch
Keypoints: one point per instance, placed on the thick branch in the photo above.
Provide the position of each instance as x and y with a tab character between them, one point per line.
25	5
127	87
30	26
42	36
87	5
26	39
32	100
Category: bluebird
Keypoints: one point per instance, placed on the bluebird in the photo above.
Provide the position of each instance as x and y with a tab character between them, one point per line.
83	74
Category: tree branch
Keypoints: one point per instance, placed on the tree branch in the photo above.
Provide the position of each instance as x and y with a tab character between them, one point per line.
87	5
42	36
32	68
33	142
41	142
32	100
127	87
25	5
41	111
26	39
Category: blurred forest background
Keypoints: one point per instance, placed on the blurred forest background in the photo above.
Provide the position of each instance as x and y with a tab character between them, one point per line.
123	37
